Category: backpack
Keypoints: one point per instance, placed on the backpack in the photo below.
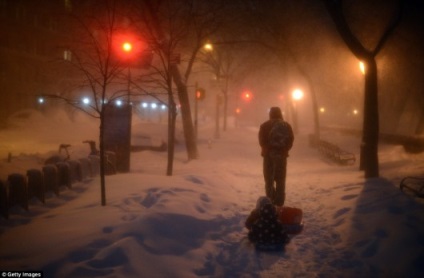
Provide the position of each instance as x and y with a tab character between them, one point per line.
281	136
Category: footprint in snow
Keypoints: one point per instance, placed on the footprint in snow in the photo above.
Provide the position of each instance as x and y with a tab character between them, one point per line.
349	197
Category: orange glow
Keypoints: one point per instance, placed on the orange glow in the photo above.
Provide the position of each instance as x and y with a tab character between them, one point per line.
238	110
127	46
362	67
247	95
208	47
297	94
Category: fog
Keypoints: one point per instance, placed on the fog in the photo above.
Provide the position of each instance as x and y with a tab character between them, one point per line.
303	51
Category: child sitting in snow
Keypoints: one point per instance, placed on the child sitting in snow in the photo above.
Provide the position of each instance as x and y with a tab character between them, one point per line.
254	215
265	230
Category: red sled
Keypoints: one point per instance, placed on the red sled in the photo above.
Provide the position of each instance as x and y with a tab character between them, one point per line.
291	218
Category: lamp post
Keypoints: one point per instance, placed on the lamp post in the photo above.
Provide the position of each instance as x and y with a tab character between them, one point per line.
362	67
297	95
221	70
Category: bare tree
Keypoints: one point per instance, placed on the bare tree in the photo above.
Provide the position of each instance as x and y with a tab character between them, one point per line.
185	25
91	52
370	133
167	57
270	27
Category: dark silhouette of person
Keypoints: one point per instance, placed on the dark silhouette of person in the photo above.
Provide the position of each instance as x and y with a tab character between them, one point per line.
275	152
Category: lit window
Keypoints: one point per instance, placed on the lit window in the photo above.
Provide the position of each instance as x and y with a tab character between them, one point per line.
68	5
67	55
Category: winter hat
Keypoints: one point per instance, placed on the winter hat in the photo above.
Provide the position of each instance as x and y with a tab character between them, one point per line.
268	212
263	200
275	113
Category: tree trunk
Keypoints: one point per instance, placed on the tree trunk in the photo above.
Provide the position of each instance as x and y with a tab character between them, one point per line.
188	127
189	134
102	158
225	93
172	116
370	131
314	105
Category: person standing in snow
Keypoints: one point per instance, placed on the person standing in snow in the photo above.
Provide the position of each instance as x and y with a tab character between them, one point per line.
276	139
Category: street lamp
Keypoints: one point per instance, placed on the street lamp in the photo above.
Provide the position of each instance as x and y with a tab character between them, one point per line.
86	100
362	67
297	95
208	47
247	96
127	46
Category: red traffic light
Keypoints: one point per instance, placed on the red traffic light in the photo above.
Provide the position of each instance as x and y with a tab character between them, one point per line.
130	50
127	46
247	95
200	93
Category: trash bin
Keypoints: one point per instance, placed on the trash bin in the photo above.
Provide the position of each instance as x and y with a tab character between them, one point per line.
51	179
64	174
4	204
18	193
36	184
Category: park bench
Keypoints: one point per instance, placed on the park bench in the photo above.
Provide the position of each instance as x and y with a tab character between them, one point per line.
414	185
335	153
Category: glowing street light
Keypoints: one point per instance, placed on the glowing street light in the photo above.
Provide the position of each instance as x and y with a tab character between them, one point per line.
247	96
297	94
322	110
362	67
86	100
127	46
208	47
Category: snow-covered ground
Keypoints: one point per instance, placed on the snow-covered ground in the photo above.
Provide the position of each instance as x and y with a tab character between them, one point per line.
191	224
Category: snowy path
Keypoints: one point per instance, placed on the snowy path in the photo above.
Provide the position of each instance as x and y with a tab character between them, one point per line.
328	193
306	172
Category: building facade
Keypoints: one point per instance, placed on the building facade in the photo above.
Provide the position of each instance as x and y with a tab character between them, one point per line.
30	56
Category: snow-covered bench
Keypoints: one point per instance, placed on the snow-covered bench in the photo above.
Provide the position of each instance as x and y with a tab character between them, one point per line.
335	153
414	185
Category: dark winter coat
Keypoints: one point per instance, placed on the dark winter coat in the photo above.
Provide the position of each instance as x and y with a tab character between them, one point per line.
264	131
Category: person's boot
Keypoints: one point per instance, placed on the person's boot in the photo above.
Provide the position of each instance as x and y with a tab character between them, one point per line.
279	200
